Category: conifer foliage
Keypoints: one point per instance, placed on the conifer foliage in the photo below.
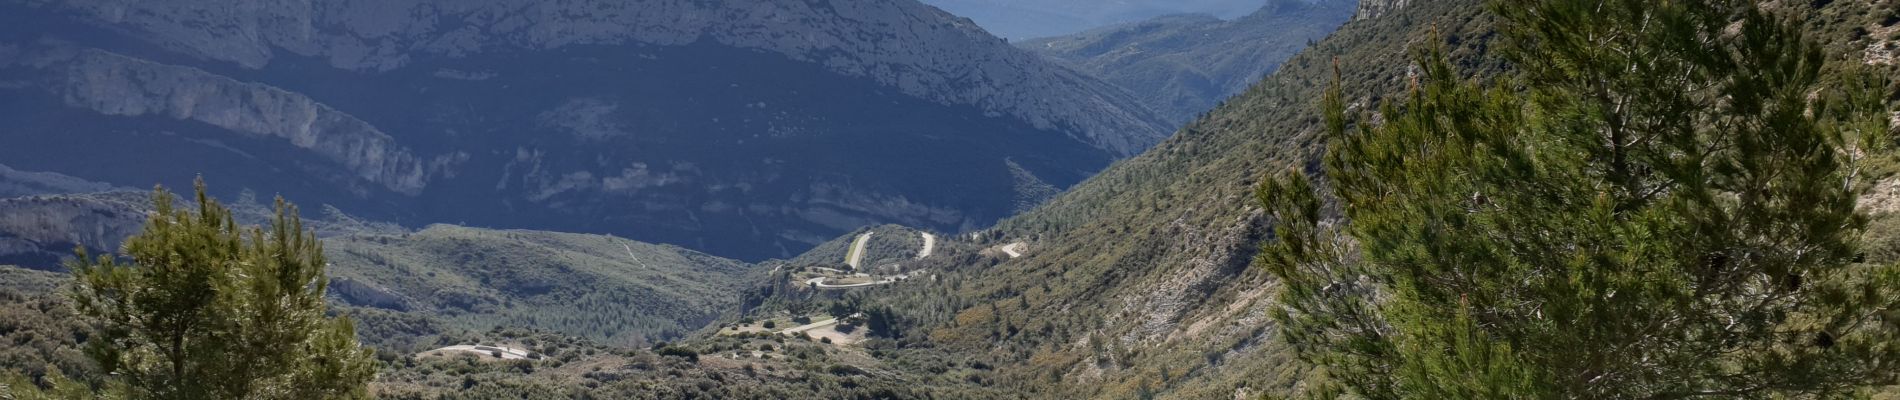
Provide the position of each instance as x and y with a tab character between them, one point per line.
1661	204
206	309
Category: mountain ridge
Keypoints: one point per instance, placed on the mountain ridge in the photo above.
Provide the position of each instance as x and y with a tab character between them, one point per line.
1183	65
1031	19
753	130
252	35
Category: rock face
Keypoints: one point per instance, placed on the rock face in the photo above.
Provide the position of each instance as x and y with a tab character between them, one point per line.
363	294
16	183
39	231
1369	9
119	86
1185	64
1885	48
750	129
918	50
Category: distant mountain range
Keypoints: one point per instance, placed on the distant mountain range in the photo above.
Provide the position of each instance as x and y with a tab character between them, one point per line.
1029	19
1182	65
746	129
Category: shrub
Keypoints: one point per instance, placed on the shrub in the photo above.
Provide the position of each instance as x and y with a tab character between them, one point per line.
681	352
844	370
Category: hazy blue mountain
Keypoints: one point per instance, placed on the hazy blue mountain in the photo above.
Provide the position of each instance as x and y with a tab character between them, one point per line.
746	129
1182	65
1027	19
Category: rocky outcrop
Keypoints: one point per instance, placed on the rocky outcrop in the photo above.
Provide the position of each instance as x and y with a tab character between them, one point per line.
1219	256
364	294
39	231
16	183
116	85
1369	9
1884	51
876	39
1883	197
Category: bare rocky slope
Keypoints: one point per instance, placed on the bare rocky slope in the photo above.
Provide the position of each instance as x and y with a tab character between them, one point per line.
753	129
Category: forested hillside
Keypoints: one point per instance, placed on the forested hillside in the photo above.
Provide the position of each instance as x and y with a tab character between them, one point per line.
1140	279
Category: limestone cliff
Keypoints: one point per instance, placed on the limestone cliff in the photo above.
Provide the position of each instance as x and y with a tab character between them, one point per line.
116	85
749	129
875	39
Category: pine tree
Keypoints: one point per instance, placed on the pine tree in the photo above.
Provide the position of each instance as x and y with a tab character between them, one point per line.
16	386
206	309
1661	205
881	322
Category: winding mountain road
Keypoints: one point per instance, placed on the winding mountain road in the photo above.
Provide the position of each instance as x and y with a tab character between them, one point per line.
1014	250
808	327
930	245
506	352
819	282
856	255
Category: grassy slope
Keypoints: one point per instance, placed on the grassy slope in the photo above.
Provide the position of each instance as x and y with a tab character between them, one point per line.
576	284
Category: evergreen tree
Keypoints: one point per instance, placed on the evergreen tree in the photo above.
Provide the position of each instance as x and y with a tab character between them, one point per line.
1661	205
15	386
881	322
206	309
